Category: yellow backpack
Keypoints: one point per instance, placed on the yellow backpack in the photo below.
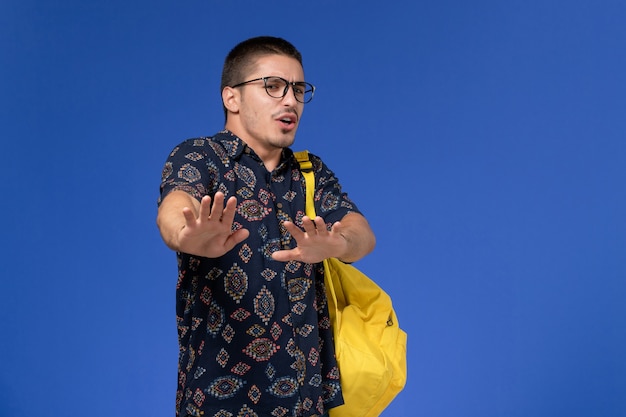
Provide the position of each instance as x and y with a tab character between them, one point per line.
369	345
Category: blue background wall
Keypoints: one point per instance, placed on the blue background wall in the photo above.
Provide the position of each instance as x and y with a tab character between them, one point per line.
484	140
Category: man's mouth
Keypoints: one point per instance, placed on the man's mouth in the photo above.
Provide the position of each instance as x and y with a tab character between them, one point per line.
288	120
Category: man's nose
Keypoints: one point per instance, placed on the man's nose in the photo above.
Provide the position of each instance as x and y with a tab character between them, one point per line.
290	97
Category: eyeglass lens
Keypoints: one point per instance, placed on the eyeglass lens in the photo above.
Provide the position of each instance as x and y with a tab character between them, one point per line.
277	87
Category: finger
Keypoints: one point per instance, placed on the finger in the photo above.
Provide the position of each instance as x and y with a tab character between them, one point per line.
285	255
190	217
336	228
309	225
295	231
205	208
228	214
320	225
237	237
218	206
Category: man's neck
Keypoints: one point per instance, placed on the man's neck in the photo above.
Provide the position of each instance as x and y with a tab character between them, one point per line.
270	156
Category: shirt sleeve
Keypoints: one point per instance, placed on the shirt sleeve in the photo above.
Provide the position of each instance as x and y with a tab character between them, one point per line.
189	168
331	202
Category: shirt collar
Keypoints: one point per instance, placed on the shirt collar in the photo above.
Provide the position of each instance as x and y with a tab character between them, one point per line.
235	147
232	144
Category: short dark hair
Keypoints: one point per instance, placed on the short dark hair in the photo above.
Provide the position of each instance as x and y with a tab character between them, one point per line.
241	58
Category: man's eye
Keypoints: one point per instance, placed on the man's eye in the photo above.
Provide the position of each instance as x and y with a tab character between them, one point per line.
298	89
273	86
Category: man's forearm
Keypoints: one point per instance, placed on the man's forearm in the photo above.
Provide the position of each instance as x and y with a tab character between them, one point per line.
359	236
170	219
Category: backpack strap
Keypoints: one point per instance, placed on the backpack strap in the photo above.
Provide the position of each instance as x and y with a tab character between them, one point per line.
306	167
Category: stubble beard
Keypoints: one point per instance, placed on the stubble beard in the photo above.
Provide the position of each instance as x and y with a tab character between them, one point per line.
284	141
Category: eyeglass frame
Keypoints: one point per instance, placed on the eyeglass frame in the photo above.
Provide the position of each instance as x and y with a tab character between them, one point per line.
287	84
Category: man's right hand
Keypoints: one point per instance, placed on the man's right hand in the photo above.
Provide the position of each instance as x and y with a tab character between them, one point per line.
199	228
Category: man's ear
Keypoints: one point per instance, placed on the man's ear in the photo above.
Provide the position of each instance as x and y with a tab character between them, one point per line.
230	98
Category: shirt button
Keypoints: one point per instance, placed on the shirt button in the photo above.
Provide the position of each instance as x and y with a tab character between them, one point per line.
279	205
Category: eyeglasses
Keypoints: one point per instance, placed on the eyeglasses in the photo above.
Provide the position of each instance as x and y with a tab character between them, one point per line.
277	87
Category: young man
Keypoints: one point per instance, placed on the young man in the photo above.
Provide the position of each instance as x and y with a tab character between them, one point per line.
253	323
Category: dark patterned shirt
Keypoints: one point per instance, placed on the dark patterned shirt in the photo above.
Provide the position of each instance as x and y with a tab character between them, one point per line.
254	333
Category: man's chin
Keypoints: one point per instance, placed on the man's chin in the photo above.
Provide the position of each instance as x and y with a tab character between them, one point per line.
286	140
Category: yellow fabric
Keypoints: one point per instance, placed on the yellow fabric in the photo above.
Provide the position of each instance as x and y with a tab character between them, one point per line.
369	344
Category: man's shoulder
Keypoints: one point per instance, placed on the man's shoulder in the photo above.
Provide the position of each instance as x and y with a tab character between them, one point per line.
203	141
315	159
317	163
223	144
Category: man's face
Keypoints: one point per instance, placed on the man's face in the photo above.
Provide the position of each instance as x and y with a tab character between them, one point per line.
267	123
